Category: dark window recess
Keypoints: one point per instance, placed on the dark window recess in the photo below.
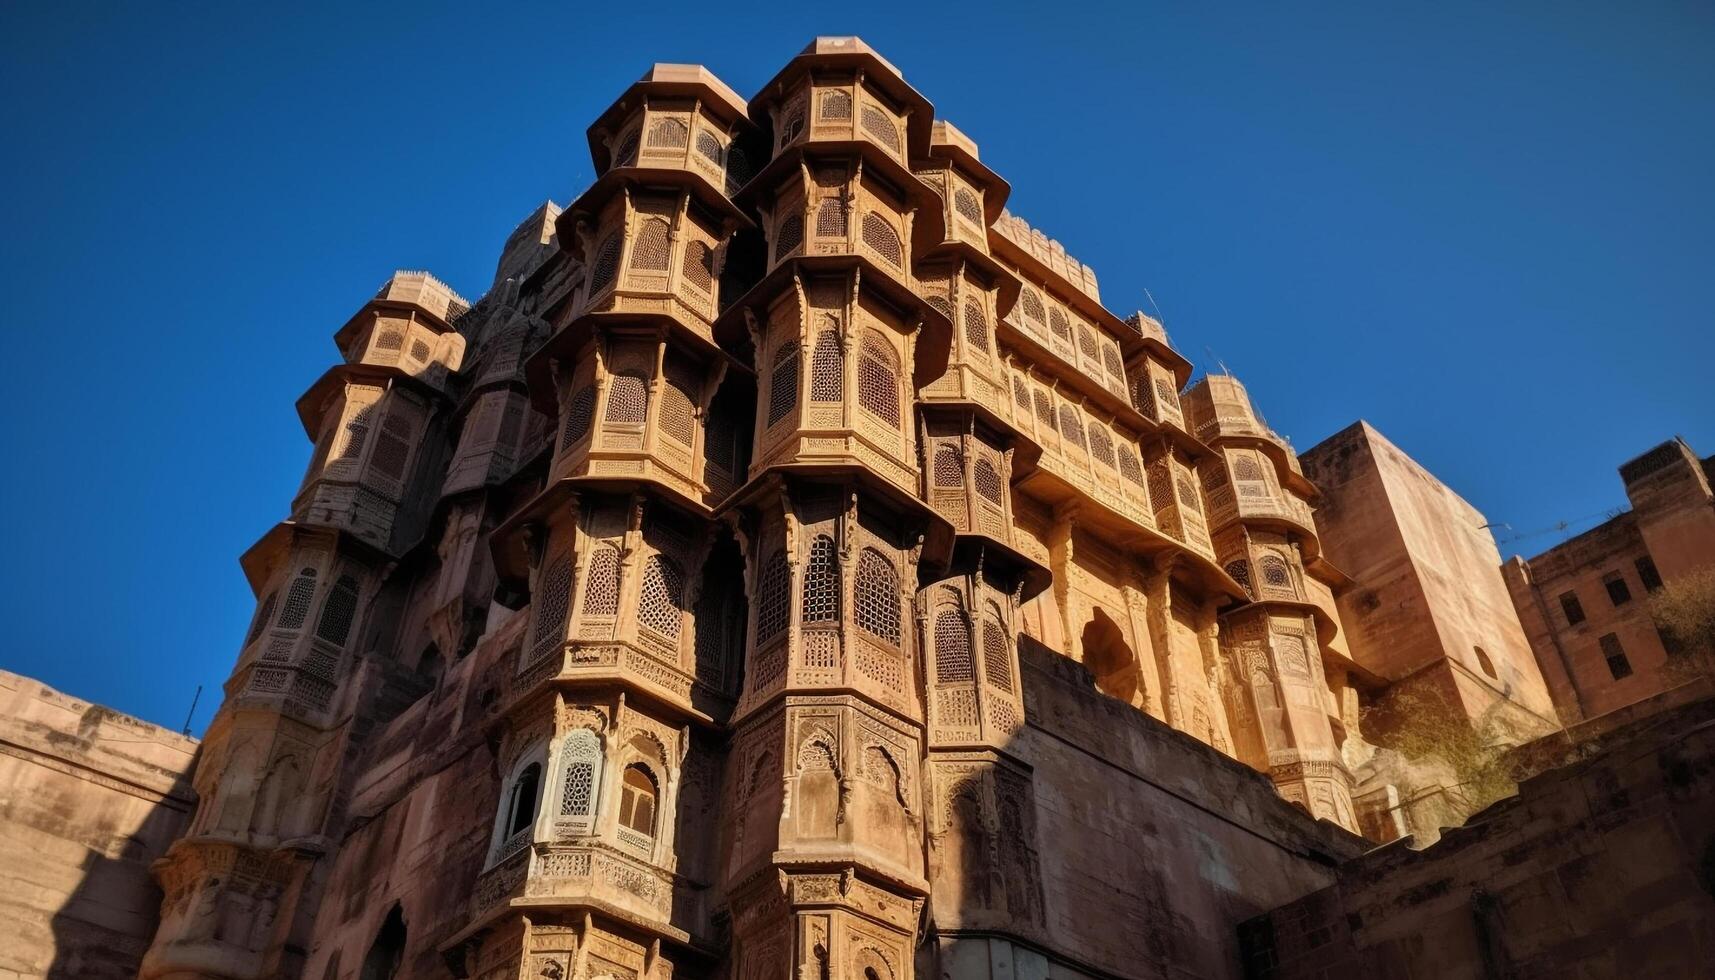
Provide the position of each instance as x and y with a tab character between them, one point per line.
1618	591
1647	573
1573	609
1618	665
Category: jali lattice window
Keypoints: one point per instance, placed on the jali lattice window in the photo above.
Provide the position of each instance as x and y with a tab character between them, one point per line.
1101	447
783	383
1241	573
789	237
827	369
581	764
606	264
298	599
1044	409
1111	361
773	588
976	328
836	104
987	481
821	583
997	658
952	647
709	145
390	340
1071	427
654	247
877	597
669	134
338	611
1275	574
1058	323
1129	466
1188	495
876	124
878	379
1165	393
626	155
678	404
1031	303
627	398
663	589
553	599
357	432
879	234
1021	394
579	413
831	218
263	616
1245	468
699	265
1087	343
965	203
601	585
949	468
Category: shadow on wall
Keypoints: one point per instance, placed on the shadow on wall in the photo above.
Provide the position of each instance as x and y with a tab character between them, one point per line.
107	921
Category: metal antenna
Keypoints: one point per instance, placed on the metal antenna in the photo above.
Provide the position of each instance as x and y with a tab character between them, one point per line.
192	714
1154	306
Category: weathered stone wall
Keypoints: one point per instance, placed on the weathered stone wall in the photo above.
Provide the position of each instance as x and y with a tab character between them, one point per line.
1602	868
88	798
1153	846
1427	600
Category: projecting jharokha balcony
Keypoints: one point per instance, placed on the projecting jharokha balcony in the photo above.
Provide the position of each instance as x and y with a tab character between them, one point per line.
593	876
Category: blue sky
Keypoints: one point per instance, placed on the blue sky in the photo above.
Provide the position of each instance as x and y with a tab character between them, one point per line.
1487	228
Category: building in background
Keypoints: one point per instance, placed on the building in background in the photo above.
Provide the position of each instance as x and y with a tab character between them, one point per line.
1585	603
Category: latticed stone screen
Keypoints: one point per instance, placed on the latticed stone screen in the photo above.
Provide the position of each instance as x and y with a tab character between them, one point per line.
658	608
877	597
601	590
821	583
878	380
952	647
552	599
773	588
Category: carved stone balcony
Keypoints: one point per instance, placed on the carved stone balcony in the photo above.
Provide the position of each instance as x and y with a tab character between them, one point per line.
594	877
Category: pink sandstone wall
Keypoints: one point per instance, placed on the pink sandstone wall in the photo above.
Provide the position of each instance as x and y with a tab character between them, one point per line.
1428	592
88	798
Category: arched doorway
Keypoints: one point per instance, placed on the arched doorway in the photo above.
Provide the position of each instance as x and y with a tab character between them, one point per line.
1110	660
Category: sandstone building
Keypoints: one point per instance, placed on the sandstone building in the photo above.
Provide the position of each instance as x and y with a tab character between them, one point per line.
1584	603
791	568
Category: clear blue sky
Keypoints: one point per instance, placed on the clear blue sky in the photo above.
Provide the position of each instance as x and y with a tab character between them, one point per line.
1487	228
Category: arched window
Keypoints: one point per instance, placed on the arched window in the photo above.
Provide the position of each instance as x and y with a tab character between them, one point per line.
1275	574
521	803
877	597
698	267
1111	361
997	658
1031	304
637	800
1021	394
1129	466
1141	401
626	155
669	133
1188	496
627	397
1164	392
878	379
264	614
357	432
663	591
606	264
789	237
737	167
388	950
580	767
654	247
836	104
1240	571
580	411
1058	323
783	383
793	124
976	328
1044	410
876	124
1071	427
831	218
601	585
774	585
338	611
821	583
298	599
879	234
965	203
709	146
952	647
1101	446
678	400
949	467
987	482
827	369
1087	343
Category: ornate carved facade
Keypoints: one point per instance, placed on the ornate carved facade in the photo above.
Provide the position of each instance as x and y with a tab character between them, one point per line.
742	488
